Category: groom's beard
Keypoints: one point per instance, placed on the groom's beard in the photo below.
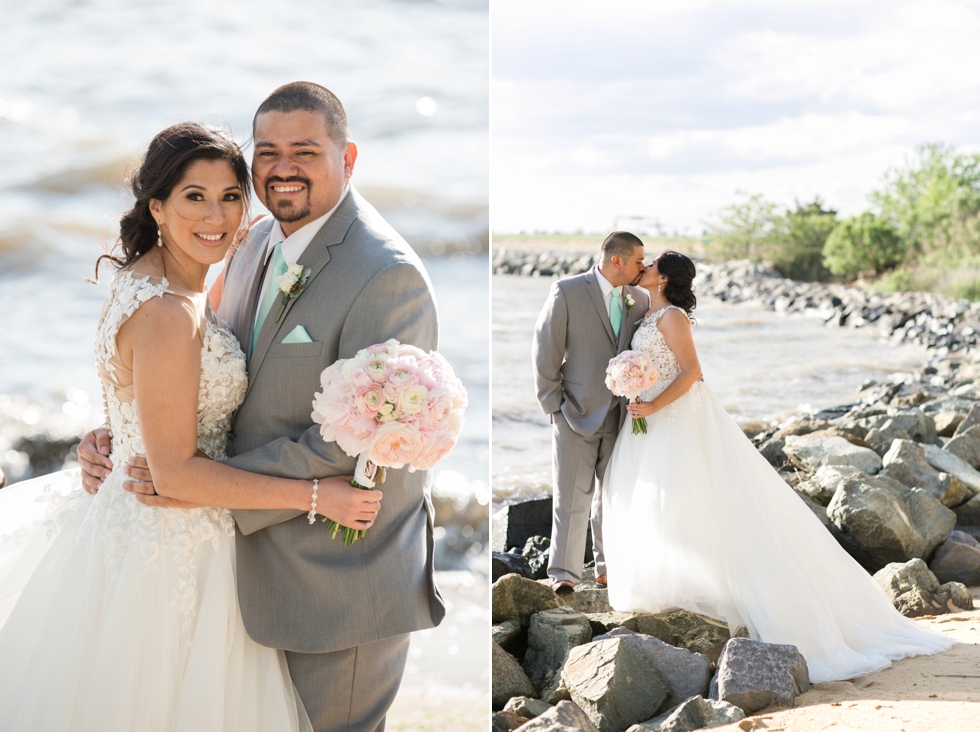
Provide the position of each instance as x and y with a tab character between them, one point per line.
288	210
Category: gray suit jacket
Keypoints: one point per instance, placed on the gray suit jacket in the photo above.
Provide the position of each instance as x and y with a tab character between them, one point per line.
573	342
299	590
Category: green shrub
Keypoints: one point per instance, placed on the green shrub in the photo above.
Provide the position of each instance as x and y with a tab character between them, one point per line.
861	244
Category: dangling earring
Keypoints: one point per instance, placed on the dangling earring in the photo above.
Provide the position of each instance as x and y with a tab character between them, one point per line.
159	238
660	286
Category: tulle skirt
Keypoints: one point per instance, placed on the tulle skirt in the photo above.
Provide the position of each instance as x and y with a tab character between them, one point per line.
117	616
695	518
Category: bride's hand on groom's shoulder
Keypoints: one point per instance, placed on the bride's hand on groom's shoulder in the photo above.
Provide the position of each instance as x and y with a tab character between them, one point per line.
93	458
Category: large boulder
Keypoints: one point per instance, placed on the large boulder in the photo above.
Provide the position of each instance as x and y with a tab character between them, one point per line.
505	721
696	632
505	633
513	525
916	592
906	462
947	422
920	426
880	438
966	446
687	673
772	448
947	462
822	486
517	598
502	563
550	638
812	453
645	623
695	713
537	551
879	520
509	679
588	598
957	560
968	514
526	707
754	675
613	685
972	420
566	717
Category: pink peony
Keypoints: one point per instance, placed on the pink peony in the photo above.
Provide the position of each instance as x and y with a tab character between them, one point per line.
395	445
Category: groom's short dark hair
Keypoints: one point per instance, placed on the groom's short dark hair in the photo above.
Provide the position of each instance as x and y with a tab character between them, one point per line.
309	97
622	243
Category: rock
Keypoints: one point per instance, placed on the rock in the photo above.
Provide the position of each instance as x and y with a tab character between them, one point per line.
881	438
687	673
947	422
957	560
509	679
695	713
502	563
879	520
753	675
966	446
920	426
972	420
772	449
517	598
566	717
819	511
906	462
968	514
505	633
812	453
552	634
588	599
916	592
838	432
526	707
513	525
613	685
947	462
959	596
645	623
696	632
823	485
537	551
505	721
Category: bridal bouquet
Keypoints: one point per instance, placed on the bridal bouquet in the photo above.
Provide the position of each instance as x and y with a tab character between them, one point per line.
628	375
391	405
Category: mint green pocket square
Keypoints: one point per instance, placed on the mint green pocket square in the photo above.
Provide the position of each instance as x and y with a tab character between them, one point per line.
298	335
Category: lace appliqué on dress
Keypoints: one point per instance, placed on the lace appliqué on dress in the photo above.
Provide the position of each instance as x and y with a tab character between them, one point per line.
650	341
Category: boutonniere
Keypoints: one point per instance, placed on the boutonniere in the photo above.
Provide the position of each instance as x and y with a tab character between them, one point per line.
291	284
630	302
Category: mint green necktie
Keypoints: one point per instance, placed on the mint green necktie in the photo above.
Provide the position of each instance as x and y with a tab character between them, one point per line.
278	270
616	312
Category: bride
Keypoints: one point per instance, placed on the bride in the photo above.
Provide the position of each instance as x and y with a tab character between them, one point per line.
695	518
116	615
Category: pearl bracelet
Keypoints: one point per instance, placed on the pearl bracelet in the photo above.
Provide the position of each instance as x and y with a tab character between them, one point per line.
312	514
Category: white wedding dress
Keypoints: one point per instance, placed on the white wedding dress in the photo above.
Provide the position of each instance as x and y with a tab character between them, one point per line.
695	518
115	616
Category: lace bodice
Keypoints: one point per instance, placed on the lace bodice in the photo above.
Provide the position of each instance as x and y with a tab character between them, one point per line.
650	341
223	379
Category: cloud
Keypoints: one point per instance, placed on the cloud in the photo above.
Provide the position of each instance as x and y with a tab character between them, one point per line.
692	97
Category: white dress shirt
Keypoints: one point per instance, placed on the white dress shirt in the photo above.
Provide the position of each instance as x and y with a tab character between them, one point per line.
607	289
293	245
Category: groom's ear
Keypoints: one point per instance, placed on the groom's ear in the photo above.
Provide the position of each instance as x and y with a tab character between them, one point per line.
350	157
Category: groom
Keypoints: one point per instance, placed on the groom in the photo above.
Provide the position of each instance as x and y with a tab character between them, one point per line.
343	615
587	320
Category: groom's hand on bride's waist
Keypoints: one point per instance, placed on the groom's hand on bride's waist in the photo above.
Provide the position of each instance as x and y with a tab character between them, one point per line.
93	458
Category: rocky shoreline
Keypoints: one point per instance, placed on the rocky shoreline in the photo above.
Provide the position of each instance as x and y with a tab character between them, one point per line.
893	476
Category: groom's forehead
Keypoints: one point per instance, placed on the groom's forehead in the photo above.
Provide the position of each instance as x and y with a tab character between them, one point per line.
296	128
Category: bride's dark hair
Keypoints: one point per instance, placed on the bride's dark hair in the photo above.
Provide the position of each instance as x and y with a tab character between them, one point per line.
167	158
680	273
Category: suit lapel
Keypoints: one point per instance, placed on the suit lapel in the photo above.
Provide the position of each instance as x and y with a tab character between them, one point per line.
315	257
628	328
600	304
253	262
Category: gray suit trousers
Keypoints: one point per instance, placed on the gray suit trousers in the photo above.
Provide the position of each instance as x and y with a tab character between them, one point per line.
579	464
350	690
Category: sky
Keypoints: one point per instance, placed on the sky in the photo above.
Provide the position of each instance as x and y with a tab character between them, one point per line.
666	110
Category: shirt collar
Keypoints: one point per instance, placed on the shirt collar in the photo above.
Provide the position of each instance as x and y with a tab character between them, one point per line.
295	244
605	285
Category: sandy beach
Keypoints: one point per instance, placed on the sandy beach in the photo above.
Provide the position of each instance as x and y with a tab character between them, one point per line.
923	694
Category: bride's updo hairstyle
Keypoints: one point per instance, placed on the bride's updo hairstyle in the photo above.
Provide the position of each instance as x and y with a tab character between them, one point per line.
167	158
680	273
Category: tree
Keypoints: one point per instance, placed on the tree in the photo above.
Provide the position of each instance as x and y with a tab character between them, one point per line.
861	244
744	230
